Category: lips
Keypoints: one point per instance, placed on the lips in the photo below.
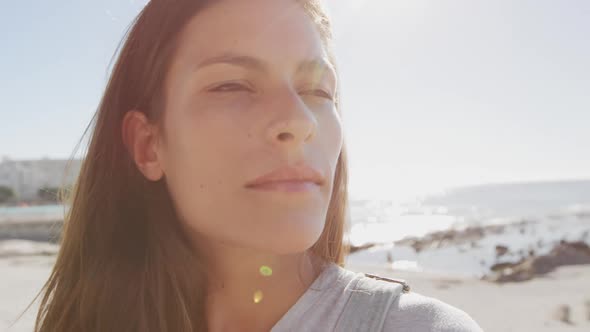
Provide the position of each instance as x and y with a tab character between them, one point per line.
289	177
287	186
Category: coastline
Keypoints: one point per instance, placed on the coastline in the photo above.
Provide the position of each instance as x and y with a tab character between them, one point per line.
533	305
445	265
498	252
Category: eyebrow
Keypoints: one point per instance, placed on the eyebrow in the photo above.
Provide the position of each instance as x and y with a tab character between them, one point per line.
305	66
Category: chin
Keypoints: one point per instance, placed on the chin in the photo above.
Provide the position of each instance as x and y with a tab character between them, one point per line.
292	243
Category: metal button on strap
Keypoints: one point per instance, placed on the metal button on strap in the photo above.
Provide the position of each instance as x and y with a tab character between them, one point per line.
406	286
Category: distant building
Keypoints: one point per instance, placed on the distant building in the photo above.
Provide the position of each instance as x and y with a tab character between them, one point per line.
25	177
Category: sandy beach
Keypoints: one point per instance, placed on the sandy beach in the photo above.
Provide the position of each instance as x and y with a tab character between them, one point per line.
22	278
523	306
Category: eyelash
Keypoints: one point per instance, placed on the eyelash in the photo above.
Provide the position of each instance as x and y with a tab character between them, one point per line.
326	94
218	89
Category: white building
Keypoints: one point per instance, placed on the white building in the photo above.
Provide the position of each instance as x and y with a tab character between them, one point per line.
25	177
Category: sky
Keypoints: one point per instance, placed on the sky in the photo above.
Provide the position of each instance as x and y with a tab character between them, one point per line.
435	93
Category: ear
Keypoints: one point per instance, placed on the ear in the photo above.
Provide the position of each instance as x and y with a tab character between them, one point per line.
140	138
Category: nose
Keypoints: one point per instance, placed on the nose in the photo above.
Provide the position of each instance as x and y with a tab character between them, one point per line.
294	122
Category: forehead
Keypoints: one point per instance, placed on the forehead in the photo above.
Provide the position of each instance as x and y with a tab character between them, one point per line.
277	31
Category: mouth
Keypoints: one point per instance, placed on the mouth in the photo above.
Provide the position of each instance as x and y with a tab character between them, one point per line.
288	186
298	177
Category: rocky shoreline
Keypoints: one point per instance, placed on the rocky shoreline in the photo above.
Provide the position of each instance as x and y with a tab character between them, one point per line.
521	263
565	253
509	263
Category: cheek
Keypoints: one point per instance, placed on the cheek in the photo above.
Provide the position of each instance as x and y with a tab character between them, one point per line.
331	136
202	155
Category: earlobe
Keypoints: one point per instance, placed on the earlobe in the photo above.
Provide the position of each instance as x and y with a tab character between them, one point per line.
149	164
140	139
153	172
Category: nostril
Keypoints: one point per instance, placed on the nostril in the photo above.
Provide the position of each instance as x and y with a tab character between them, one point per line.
284	136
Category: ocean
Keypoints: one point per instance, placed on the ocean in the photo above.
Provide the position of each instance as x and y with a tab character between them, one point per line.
554	211
384	221
537	216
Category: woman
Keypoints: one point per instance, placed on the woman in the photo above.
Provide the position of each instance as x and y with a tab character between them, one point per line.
213	193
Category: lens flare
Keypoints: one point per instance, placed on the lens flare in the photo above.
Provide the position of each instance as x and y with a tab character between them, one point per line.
265	271
257	296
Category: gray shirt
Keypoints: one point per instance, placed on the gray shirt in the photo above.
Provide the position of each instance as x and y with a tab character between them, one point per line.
321	307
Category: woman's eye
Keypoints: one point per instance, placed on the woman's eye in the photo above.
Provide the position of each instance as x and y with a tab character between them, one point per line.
229	87
321	93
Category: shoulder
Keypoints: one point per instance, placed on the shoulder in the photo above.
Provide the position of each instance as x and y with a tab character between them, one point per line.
411	311
416	312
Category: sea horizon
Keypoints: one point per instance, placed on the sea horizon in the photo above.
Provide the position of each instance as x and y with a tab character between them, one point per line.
387	220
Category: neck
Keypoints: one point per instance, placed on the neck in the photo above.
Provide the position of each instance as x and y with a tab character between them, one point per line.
250	289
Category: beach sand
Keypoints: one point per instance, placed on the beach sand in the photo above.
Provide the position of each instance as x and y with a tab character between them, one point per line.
22	277
524	306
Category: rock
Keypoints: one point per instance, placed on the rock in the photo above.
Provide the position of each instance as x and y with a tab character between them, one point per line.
505	265
354	248
501	250
563	314
389	257
565	253
417	245
441	239
411	241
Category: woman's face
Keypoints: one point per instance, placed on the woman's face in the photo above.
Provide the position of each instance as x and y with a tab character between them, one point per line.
250	90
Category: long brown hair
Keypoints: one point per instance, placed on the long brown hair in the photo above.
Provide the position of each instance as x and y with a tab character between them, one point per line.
122	260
